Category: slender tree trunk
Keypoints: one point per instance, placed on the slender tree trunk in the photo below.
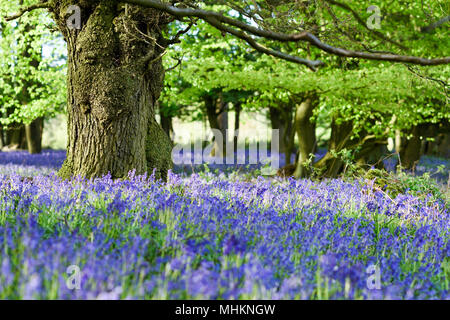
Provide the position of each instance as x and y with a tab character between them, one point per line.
428	130
237	123
211	112
289	134
16	138
277	122
33	132
166	124
218	120
306	133
222	119
398	141
282	118
27	136
366	151
115	77
410	150
2	138
371	153
341	133
441	144
443	147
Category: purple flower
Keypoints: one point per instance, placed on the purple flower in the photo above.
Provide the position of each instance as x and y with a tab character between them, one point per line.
233	245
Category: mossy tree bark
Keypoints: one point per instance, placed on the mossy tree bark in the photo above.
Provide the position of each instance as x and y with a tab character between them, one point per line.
115	76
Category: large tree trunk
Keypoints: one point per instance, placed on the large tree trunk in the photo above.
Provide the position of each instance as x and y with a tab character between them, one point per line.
33	132
306	133
115	76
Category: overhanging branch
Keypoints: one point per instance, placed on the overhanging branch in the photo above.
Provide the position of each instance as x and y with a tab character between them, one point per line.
22	11
220	22
312	64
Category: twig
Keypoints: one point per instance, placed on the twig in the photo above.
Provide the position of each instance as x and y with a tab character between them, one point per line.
176	39
175	66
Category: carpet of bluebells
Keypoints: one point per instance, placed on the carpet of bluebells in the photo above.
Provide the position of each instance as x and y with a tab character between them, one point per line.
215	236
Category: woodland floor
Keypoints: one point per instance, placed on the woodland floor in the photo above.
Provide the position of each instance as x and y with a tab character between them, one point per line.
211	235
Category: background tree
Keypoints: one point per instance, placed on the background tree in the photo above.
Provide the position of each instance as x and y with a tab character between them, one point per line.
32	79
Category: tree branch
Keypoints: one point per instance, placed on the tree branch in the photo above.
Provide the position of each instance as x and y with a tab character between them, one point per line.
434	25
22	11
372	56
312	64
218	21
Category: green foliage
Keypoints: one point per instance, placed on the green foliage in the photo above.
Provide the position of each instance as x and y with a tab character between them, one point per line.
32	68
373	95
202	52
